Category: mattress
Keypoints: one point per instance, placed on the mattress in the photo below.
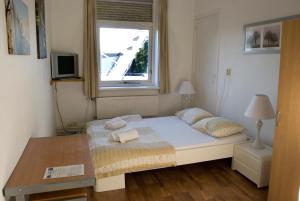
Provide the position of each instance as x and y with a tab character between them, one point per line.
182	136
176	132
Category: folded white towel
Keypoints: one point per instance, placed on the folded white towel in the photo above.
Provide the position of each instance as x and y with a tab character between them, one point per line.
115	123
125	135
132	117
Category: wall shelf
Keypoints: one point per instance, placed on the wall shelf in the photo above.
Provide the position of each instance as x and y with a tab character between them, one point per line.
80	79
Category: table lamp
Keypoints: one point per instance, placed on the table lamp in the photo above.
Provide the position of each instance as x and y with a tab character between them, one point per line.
259	108
186	89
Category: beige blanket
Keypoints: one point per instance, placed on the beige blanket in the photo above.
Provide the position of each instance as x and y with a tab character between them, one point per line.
112	158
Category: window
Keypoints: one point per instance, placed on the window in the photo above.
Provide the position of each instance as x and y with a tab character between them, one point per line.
125	54
126	44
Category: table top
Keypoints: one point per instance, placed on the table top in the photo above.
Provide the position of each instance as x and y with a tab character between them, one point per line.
41	153
266	152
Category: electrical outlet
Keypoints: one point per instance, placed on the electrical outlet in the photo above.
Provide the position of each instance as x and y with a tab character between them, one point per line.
228	72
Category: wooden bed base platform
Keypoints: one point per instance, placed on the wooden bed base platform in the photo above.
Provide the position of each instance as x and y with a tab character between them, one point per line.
183	157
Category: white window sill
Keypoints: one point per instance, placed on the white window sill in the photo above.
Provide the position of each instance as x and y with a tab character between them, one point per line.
129	88
128	91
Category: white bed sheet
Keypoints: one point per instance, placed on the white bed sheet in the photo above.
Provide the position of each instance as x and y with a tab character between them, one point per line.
182	136
175	131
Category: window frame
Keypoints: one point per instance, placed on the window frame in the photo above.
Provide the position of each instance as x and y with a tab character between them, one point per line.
152	69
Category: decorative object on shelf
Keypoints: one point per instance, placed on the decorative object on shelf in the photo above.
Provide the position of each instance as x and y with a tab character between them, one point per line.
264	37
17	24
186	89
40	29
259	108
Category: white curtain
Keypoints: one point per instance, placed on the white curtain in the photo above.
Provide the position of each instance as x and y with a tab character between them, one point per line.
90	66
164	75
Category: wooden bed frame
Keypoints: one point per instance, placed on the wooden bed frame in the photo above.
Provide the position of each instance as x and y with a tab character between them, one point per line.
183	157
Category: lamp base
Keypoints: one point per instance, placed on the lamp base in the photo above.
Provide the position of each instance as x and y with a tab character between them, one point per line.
186	101
257	144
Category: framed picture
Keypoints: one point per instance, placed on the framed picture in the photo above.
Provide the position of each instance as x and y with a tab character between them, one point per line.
40	29
17	23
264	37
272	36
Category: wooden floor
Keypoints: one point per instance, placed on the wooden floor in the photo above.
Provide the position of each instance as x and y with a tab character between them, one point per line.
209	181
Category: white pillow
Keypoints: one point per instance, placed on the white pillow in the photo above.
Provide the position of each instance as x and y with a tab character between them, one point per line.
193	115
180	113
218	127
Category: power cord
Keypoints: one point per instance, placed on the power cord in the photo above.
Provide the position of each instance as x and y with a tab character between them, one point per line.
95	109
224	95
60	115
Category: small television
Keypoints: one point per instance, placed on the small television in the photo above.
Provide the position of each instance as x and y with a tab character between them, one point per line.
64	65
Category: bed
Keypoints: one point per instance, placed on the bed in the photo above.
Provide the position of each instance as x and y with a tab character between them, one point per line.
190	145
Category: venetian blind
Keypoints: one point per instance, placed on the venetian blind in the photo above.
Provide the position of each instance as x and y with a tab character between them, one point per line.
125	10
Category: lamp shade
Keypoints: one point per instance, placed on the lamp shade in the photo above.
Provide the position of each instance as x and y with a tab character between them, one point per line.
260	108
186	88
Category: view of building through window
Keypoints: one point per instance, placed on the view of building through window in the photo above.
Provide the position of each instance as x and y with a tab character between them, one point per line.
124	54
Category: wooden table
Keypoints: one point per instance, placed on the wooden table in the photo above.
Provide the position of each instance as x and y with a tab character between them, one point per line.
40	153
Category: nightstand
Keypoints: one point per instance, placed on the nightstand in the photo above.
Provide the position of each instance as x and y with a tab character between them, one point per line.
255	164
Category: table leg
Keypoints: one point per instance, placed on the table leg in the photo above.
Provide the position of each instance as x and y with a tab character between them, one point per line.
20	198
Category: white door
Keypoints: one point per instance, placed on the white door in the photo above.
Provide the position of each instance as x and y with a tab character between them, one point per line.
206	46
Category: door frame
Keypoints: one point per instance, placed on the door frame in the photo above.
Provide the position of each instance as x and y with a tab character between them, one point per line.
198	17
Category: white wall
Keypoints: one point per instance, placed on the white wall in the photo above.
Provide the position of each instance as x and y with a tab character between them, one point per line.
67	35
26	102
251	74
